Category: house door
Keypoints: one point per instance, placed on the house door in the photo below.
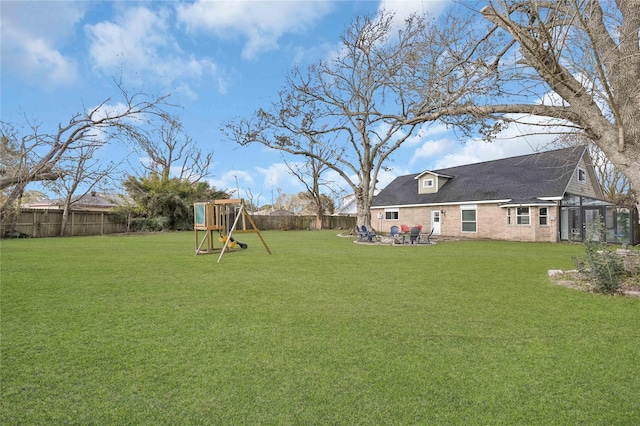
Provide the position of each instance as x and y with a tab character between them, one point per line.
592	218
435	221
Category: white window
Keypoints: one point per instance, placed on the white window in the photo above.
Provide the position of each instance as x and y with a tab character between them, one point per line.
469	218
391	214
427	183
543	216
582	175
522	216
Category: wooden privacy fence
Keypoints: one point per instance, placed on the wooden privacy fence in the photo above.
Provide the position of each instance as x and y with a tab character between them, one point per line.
46	223
302	222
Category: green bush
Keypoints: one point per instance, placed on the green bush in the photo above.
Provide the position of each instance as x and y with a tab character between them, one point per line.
150	224
607	270
160	204
603	265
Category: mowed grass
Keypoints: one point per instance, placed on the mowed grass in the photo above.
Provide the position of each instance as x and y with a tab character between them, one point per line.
138	330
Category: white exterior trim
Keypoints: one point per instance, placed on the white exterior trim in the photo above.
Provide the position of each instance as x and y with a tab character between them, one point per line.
432	173
450	203
503	206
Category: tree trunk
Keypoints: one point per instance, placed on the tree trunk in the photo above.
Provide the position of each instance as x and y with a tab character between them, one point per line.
9	210
65	219
319	214
363	208
627	161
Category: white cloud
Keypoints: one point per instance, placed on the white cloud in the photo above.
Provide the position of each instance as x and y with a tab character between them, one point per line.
260	23
278	176
425	132
263	184
311	54
529	135
476	151
404	8
385	177
536	131
31	33
233	180
337	184
516	139
431	148
107	110
135	37
139	43
342	188
48	63
100	112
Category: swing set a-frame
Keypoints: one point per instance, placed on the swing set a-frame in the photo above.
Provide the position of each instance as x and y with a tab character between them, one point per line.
224	217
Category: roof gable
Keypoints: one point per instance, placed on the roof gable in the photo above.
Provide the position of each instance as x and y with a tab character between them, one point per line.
431	172
430	182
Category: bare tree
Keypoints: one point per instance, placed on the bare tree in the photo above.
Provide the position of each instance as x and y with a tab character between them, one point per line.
307	204
36	155
33	196
576	62
170	149
355	105
252	204
14	152
79	170
310	174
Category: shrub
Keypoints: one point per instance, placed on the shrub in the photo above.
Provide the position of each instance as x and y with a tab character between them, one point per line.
150	224
601	264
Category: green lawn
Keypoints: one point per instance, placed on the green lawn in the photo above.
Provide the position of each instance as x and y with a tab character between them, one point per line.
139	330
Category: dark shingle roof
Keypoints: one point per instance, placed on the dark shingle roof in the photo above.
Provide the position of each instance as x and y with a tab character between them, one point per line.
526	177
93	199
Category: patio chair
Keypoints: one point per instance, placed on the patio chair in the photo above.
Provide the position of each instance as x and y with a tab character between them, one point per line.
371	234
404	231
414	235
363	235
394	231
426	236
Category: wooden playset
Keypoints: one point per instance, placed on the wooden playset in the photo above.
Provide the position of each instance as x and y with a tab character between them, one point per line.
224	217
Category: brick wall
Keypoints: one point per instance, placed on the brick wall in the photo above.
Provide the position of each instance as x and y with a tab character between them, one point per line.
491	222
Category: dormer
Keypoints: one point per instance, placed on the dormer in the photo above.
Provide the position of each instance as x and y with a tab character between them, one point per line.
430	182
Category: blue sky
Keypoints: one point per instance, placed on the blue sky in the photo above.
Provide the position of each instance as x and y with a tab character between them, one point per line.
217	59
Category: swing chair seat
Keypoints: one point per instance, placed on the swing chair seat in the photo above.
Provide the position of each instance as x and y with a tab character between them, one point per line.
232	244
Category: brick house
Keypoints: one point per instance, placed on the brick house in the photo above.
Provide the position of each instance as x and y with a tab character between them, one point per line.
546	196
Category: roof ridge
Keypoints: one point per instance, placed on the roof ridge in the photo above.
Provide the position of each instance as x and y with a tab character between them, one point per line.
522	156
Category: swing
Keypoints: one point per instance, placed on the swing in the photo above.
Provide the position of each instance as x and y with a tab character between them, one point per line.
209	217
